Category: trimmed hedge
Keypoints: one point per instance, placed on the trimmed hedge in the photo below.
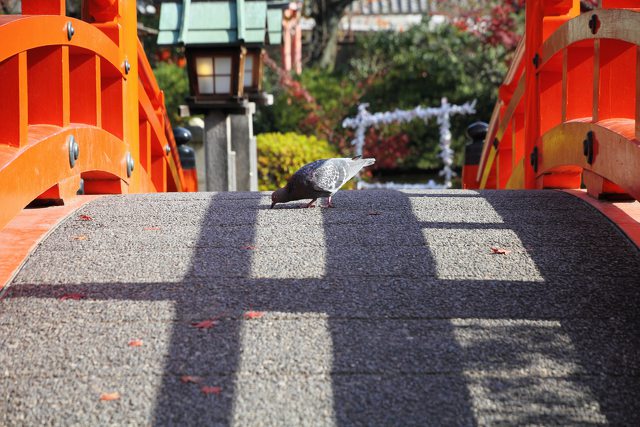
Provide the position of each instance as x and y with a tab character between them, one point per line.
281	155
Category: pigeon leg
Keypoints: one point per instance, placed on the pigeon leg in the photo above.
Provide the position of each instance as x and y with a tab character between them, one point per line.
310	205
329	203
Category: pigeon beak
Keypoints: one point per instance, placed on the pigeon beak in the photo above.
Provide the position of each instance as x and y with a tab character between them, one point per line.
272	205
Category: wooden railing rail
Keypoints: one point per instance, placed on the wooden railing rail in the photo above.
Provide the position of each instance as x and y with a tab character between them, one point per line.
569	112
80	109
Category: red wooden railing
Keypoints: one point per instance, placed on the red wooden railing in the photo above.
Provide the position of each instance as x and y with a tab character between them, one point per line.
79	104
568	112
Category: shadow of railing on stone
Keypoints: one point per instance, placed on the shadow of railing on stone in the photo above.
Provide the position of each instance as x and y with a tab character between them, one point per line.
422	324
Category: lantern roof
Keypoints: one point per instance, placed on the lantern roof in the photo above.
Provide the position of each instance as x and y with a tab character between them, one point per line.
220	22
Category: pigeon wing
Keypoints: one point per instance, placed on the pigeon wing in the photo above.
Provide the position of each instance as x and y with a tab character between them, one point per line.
302	184
331	175
324	177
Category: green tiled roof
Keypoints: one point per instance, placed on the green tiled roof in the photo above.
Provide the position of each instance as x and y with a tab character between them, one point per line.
219	22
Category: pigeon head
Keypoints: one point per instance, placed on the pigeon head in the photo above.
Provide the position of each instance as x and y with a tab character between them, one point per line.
279	196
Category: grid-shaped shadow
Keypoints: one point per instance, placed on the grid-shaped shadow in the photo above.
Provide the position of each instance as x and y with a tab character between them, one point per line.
390	309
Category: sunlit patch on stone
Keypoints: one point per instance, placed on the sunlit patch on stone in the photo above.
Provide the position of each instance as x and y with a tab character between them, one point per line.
522	372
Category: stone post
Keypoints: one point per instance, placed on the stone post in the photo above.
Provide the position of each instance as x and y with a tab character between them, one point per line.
243	143
220	158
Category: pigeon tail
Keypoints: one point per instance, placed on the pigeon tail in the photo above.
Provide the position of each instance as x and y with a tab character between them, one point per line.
356	165
368	162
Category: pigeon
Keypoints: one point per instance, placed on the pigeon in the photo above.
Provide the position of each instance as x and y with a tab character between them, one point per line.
322	178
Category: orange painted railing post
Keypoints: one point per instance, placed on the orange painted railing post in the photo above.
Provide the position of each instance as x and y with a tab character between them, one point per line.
533	40
80	107
40	7
542	17
568	112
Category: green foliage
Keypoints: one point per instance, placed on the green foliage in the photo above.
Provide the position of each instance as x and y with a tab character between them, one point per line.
333	96
392	70
284	115
280	155
173	80
424	64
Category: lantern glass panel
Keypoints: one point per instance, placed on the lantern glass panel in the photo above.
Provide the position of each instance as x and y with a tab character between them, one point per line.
248	71
205	84
204	70
223	84
223	66
204	66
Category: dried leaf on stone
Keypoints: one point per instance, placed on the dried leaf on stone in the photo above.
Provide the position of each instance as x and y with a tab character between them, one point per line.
135	343
190	379
211	389
110	396
205	324
72	296
80	237
249	247
85	218
253	314
500	251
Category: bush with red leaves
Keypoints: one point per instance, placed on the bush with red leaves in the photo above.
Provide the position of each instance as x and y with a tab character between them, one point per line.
388	151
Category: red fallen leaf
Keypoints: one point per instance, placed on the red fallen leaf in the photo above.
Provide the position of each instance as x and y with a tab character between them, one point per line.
85	218
72	296
205	324
211	389
190	379
253	314
110	396
249	247
500	251
135	343
80	237
151	228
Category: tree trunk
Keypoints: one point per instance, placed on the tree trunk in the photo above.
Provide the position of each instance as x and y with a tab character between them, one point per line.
324	36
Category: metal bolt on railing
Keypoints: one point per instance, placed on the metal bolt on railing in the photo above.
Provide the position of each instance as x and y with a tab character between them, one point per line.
534	159
594	24
587	147
70	30
74	150
130	165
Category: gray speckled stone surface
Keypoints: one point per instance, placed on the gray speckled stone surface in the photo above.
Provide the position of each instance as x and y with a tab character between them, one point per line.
387	310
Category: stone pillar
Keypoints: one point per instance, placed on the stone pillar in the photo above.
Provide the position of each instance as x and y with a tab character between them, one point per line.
220	158
243	143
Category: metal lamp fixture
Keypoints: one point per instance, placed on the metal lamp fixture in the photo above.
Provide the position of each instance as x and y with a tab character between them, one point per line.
216	74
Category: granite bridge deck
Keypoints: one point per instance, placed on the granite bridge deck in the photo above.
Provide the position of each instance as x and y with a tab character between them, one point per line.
391	309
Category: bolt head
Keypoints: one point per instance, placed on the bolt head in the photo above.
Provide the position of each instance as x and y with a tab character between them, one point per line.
594	24
74	150
130	165
70	31
127	66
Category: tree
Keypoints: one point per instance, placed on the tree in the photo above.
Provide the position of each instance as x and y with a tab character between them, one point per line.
323	48
10	6
401	70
